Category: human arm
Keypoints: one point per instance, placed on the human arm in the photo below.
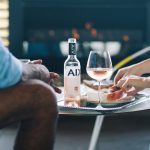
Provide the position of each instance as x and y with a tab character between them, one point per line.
12	70
136	69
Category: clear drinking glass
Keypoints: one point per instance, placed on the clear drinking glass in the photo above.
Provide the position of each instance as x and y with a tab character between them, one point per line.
99	66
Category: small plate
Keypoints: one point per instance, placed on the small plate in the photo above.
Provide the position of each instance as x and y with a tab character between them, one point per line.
117	103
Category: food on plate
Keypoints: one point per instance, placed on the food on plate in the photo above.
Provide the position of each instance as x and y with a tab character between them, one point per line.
108	92
93	85
112	94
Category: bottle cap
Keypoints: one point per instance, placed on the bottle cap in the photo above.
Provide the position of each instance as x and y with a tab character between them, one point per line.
71	40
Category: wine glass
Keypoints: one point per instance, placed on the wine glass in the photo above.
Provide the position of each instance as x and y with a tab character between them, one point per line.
99	67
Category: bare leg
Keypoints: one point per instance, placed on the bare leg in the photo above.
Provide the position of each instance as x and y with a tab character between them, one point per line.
34	104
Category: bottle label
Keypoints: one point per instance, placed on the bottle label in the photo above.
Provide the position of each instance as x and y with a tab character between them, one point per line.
72	71
72	48
72	79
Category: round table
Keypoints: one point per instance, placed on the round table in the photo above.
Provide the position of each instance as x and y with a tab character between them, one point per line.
140	104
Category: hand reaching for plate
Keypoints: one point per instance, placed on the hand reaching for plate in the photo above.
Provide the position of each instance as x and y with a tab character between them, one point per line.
133	84
137	69
129	78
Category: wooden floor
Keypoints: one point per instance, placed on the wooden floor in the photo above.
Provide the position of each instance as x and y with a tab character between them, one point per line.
118	133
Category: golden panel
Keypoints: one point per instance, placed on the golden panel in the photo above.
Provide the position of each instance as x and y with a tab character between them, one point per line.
4	33
4	25
4	4
4	14
4	21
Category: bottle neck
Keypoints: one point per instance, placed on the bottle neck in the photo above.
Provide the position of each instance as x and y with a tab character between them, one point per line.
72	56
72	48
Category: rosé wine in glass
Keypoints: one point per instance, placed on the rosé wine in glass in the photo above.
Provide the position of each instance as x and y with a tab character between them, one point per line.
99	66
99	74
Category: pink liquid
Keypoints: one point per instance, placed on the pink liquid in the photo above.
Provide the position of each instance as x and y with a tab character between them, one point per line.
71	92
99	73
72	101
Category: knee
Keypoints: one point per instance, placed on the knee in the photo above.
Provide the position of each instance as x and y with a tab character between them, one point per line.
44	98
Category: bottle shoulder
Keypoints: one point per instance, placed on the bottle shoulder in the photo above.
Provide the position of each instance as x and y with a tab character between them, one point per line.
72	62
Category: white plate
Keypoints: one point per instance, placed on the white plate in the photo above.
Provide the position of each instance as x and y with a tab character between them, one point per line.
122	101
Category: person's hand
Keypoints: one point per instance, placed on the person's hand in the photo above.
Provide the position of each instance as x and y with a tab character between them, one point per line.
47	76
54	76
138	69
38	61
132	84
35	70
127	71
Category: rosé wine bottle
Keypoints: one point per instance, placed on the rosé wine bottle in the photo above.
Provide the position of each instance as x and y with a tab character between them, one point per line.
72	76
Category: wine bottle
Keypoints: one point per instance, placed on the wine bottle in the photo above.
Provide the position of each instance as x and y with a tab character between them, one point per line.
72	76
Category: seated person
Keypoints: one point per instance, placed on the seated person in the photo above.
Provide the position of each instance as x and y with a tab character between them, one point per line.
131	76
27	96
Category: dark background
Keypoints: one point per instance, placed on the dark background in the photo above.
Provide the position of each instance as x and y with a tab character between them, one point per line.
38	26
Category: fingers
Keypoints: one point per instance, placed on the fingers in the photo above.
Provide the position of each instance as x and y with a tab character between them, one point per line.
54	75
118	76
120	83
57	90
114	88
39	61
131	83
132	92
126	85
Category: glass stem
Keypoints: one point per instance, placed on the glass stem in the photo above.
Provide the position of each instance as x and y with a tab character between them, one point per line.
99	88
